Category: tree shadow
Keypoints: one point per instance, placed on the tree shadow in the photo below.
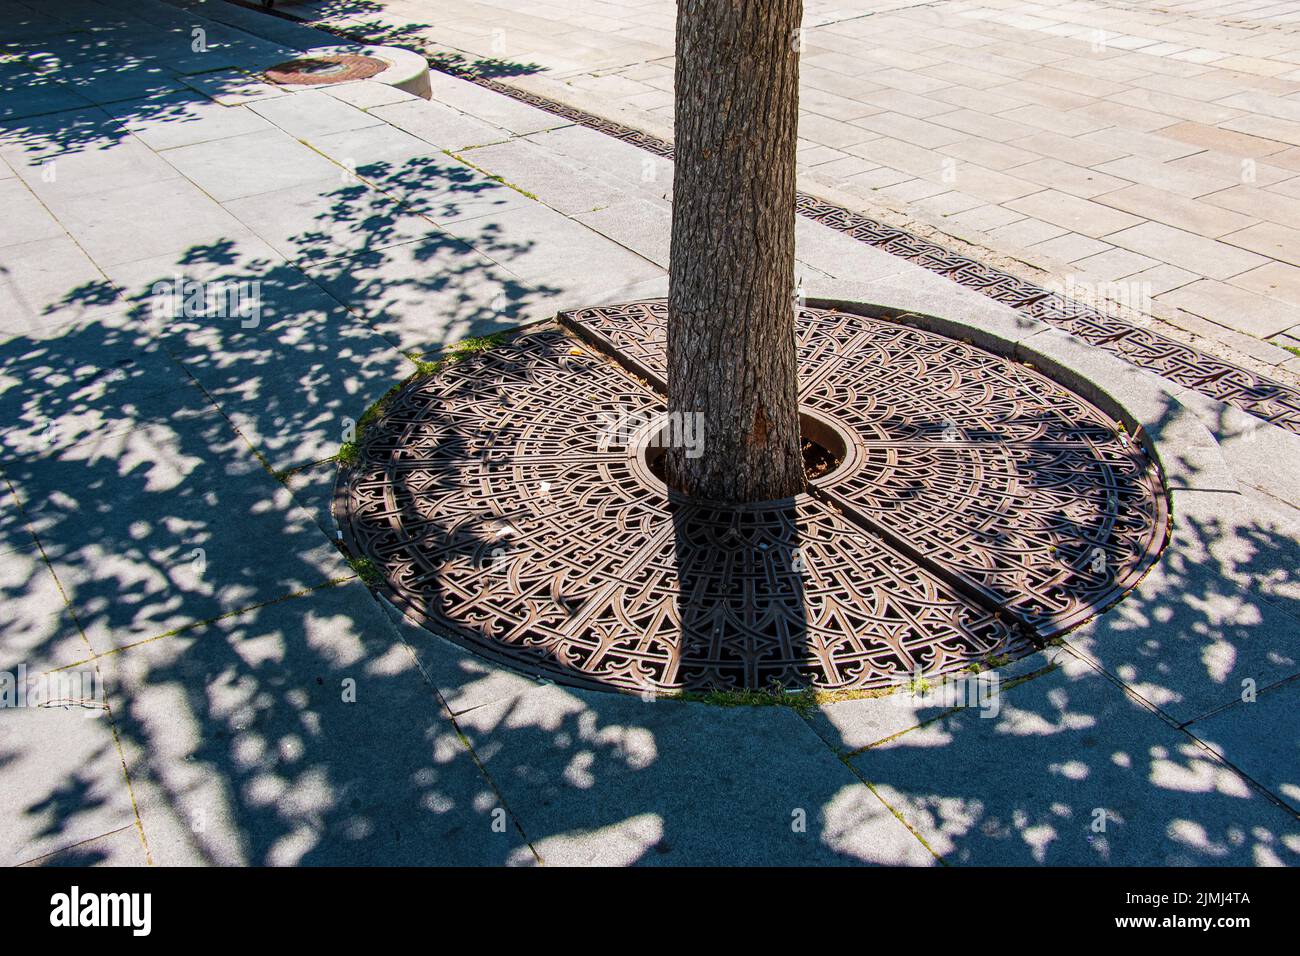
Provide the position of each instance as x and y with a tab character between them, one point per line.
270	711
1072	770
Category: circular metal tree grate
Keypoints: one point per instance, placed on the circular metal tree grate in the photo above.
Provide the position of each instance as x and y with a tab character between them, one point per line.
334	68
979	508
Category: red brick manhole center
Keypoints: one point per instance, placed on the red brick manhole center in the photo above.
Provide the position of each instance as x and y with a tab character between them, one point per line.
509	501
316	70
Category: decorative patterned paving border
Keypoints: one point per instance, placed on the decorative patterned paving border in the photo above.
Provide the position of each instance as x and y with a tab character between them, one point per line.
1224	381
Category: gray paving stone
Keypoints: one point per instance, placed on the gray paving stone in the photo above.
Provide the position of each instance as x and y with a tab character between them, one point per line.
323	220
250	164
1200	218
40	98
169	120
86	384
1026	787
463	679
377	151
916	290
851	725
233	87
1227	305
1256	546
637	224
610	780
1261	738
311	113
291	369
439	125
440	188
1071	247
139	222
167	525
559	182
63	781
223	53
111	80
25	218
1212	614
48	284
294	389
35	630
536	242
1258	454
622	161
115	164
1207	257
367	95
427	294
14	535
32	636
490	107
313	489
1079	215
1025	232
559	293
243	749
842	256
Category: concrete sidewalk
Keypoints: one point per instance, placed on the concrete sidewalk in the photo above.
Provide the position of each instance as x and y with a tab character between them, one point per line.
166	525
1148	156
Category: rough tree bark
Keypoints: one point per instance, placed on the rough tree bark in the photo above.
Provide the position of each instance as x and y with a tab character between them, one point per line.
731	339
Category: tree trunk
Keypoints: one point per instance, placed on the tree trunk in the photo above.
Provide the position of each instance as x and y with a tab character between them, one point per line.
732	366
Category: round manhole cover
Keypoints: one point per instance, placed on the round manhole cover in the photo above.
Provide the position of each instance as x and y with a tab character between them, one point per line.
315	70
969	508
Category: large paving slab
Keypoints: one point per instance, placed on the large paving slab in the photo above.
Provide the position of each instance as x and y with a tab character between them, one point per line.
606	779
536	243
49	285
429	293
250	164
135	222
121	847
1071	771
64	390
271	738
1268	756
64	782
1215	618
166	525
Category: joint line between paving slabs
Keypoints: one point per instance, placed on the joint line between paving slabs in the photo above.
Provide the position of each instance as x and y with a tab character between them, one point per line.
464	740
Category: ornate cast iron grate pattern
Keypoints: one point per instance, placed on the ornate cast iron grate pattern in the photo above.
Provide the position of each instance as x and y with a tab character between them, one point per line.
980	509
1265	398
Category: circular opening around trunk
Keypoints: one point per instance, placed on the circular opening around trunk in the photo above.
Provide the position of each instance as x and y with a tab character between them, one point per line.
825	448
